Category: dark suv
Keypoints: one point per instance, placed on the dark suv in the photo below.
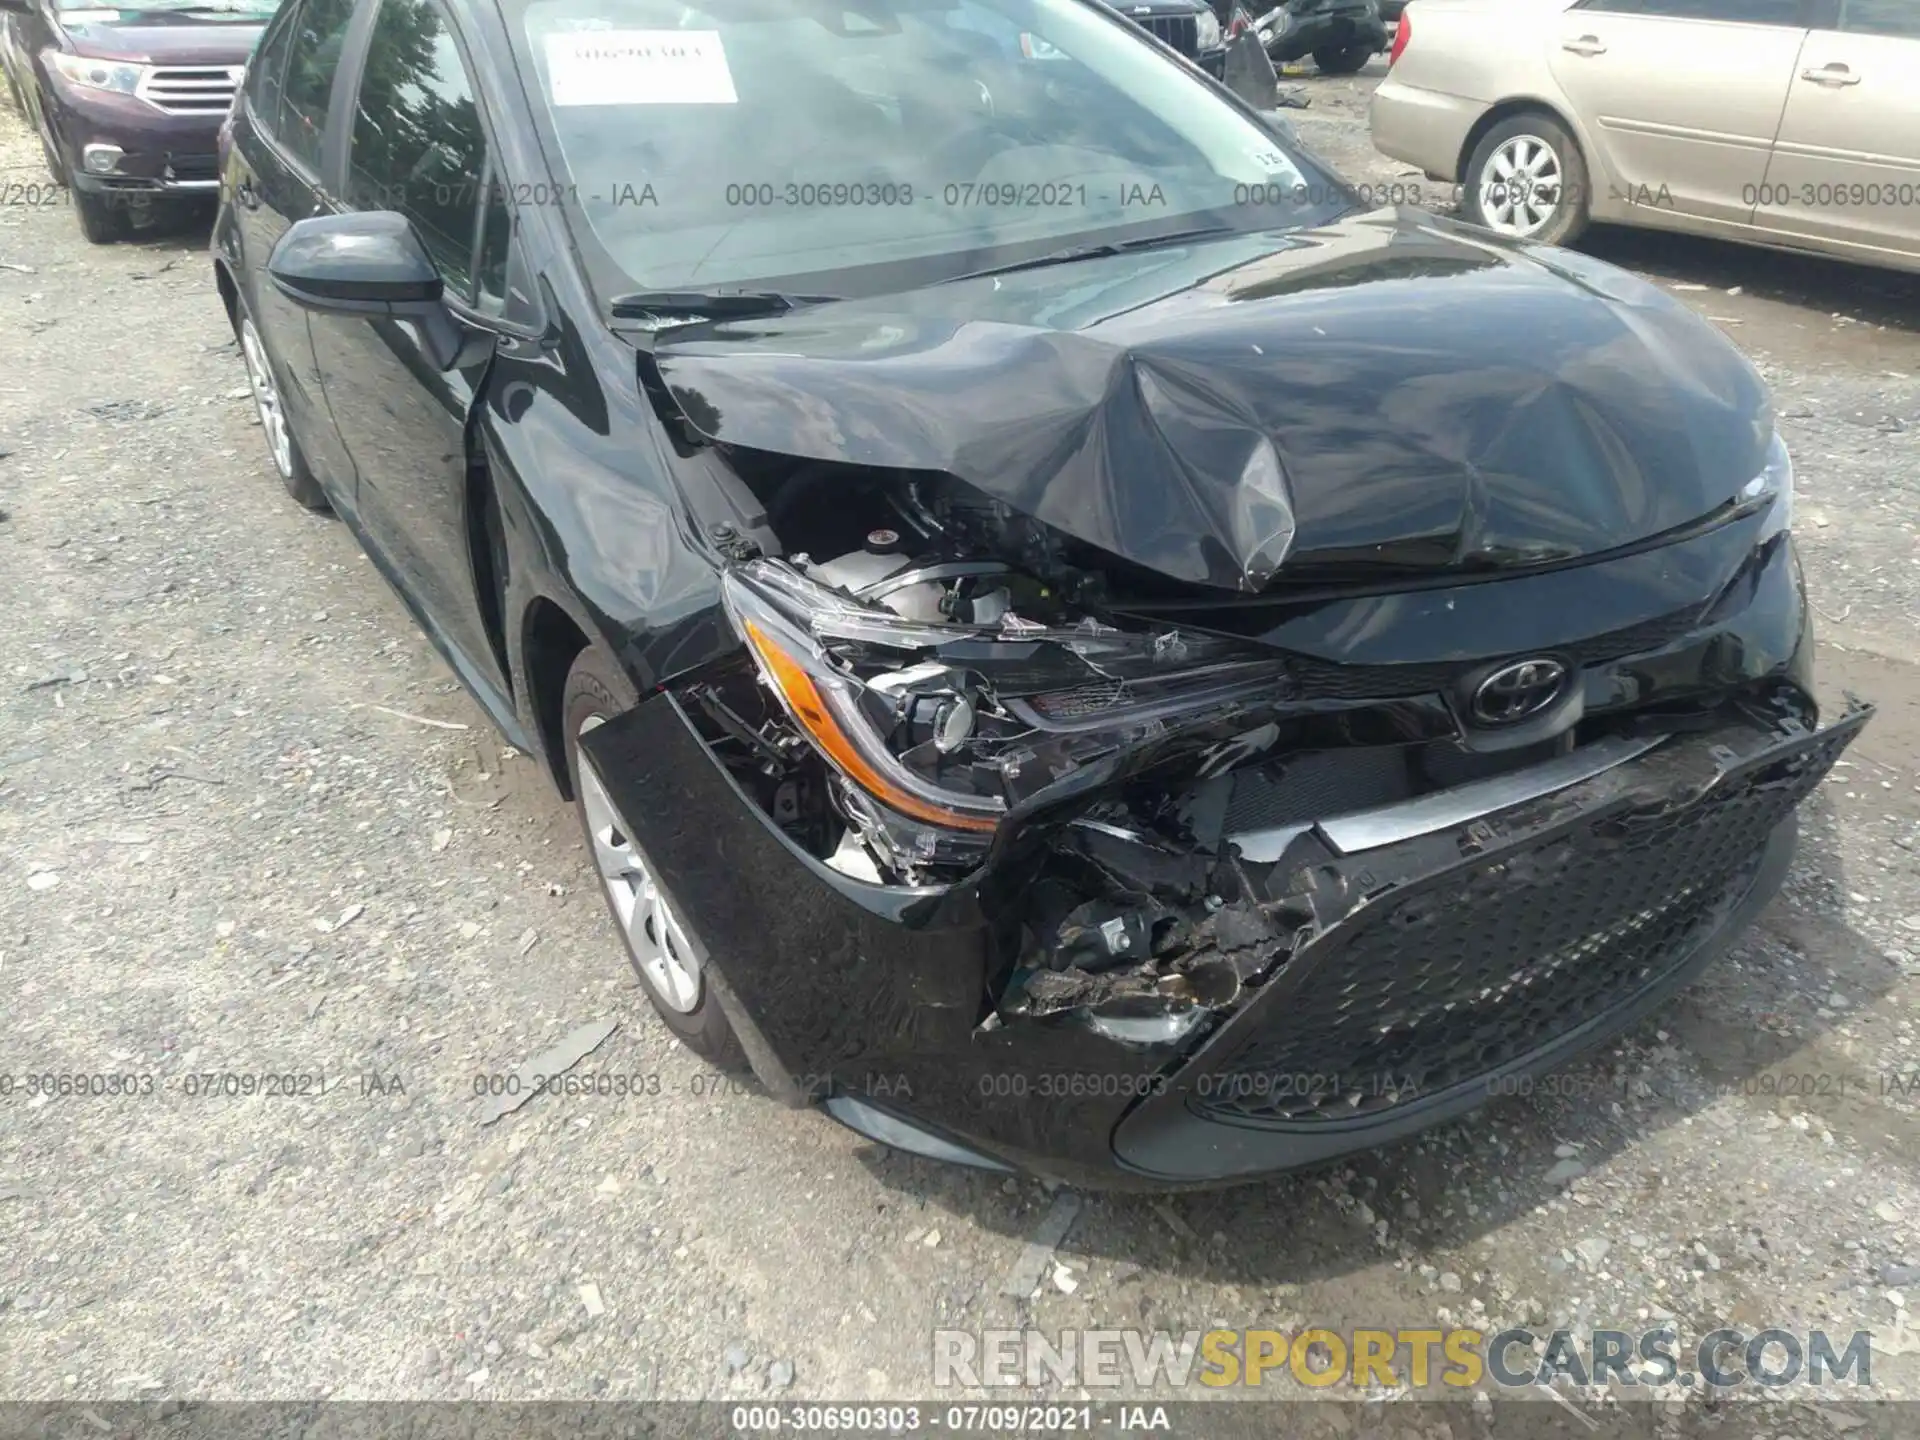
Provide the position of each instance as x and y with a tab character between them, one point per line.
1188	27
128	102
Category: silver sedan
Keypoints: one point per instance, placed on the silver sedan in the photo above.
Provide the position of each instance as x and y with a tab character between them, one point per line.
1790	123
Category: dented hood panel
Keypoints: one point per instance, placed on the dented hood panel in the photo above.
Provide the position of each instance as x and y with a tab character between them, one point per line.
1391	390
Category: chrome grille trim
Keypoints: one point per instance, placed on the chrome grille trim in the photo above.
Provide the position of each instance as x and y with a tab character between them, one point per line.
191	89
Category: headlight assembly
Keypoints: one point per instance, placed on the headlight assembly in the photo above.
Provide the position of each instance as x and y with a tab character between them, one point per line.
1775	480
120	77
937	731
1207	33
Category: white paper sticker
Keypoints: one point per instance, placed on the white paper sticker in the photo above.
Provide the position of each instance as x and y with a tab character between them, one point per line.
639	67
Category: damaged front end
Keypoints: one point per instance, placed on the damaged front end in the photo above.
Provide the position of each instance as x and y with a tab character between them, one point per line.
955	829
930	723
1123	801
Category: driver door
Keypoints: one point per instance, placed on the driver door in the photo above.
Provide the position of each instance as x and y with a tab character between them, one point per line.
417	144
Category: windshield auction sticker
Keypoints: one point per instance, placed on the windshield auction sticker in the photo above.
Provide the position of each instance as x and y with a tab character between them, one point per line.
639	67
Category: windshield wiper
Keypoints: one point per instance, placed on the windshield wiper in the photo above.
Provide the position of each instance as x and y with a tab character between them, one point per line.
1088	252
710	304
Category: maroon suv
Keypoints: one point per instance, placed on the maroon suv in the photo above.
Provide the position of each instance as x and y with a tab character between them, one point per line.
129	102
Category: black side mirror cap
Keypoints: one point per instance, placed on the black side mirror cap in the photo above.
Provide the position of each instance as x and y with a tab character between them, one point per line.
368	263
362	262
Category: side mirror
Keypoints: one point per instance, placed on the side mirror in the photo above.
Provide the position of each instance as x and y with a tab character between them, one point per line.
368	263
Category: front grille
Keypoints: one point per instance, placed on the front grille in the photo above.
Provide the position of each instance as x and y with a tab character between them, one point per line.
1450	981
192	89
1328	680
1182	32
1080	701
1316	784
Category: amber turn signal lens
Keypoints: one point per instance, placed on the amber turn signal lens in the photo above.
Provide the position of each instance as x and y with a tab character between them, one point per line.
816	717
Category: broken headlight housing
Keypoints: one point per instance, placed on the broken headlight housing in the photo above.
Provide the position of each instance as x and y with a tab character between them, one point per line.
1775	480
937	732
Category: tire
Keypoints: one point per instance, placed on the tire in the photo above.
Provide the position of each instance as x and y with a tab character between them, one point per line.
103	217
597	691
1541	145
56	168
1349	60
283	447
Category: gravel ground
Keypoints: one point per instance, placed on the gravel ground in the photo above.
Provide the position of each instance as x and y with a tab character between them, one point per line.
249	823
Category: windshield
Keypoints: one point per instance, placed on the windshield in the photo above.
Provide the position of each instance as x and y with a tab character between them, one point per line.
756	143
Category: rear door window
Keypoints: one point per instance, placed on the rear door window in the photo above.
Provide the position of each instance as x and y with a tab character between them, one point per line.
1790	13
313	59
418	144
1900	18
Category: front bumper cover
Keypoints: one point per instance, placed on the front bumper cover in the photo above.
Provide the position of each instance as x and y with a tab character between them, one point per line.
843	988
162	154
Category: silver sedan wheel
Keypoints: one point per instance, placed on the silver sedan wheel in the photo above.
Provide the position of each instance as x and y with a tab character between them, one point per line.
659	946
266	397
1521	186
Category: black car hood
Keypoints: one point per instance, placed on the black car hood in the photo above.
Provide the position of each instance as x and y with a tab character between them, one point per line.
1390	393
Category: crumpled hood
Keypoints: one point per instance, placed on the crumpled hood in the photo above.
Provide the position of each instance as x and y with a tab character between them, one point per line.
1391	392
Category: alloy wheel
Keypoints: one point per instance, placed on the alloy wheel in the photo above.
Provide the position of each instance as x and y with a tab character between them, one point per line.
266	397
1521	186
659	946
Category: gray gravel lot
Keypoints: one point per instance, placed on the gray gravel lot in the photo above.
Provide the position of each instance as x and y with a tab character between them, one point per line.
249	823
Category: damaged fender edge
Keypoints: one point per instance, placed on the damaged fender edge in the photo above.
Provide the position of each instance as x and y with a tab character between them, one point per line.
656	767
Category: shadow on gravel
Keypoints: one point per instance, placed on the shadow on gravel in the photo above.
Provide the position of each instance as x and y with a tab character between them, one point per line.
1882	297
1728	1034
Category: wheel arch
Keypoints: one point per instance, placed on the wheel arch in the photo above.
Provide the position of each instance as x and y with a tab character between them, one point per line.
229	289
1507	110
551	639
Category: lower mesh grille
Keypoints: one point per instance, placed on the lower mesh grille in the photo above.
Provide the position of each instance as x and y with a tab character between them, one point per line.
1445	984
193	167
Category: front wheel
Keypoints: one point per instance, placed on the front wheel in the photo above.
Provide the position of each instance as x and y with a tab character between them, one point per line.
658	947
1528	180
1347	60
103	216
282	448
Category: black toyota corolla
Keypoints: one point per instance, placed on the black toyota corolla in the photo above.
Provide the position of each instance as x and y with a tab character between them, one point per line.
1075	644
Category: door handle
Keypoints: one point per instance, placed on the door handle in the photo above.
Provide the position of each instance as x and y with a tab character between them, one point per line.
245	196
1585	45
1835	74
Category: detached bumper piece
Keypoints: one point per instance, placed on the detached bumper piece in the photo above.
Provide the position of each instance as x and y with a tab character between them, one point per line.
1455	959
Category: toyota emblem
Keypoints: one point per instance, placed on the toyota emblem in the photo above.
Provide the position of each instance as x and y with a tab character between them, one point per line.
1515	692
